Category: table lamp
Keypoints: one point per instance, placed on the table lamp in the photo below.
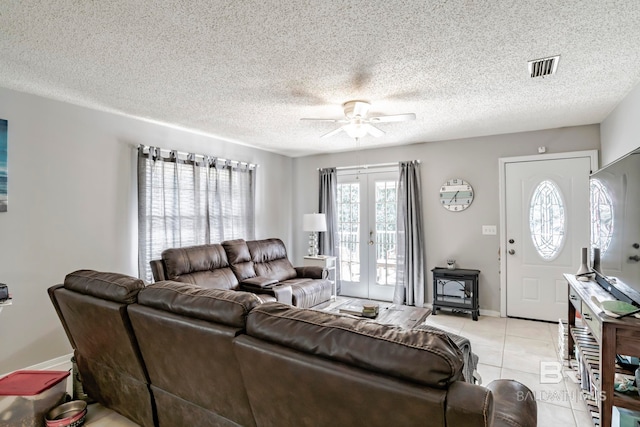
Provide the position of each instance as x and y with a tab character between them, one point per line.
314	223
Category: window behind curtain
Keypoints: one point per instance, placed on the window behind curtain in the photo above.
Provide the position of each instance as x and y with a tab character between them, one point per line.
190	200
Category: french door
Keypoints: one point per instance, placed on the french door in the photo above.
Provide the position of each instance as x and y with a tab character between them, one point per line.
367	233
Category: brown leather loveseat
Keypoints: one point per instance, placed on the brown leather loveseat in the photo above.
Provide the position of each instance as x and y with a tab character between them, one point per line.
216	357
258	266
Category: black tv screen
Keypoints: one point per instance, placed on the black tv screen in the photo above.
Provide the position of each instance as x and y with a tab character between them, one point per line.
615	224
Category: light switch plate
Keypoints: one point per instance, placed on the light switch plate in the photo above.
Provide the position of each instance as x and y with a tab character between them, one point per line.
489	230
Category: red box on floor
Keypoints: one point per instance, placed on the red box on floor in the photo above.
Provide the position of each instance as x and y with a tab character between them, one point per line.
27	396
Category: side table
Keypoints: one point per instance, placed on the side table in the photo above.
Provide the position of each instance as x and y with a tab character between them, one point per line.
456	289
324	261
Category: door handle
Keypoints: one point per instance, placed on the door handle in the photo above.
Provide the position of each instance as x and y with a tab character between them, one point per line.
512	252
371	242
635	258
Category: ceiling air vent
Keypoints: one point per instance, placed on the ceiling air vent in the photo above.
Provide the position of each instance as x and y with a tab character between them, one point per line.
543	67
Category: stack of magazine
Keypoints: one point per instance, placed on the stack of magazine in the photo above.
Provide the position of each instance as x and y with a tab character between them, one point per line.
361	309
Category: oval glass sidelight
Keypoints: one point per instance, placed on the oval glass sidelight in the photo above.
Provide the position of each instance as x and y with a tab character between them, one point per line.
547	221
601	215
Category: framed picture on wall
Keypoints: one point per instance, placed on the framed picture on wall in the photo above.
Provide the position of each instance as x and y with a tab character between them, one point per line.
3	165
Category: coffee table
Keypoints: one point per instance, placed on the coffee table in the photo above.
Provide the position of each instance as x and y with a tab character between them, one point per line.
391	314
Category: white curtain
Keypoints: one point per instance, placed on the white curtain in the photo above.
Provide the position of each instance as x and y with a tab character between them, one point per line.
411	253
190	200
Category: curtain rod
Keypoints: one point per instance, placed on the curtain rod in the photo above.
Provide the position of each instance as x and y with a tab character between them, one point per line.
200	156
376	165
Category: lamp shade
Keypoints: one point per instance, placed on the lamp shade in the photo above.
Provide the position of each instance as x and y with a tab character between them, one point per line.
314	222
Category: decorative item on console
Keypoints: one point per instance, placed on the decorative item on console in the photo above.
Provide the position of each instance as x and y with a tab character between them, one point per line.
584	274
451	264
596	260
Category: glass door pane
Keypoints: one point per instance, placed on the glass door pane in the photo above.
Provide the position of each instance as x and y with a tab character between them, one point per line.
385	232
349	230
382	242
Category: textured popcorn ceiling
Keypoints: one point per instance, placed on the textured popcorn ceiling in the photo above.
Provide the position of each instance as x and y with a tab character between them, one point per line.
247	71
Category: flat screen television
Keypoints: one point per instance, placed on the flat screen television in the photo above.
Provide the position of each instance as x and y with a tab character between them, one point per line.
615	226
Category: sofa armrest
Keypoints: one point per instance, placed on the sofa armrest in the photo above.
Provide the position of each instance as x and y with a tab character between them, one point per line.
514	404
312	272
469	404
282	293
259	282
157	269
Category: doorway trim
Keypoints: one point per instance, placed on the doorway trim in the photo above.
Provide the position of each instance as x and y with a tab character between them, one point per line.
503	161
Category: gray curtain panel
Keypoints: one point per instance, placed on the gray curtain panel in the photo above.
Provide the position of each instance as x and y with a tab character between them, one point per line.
190	200
329	241
411	253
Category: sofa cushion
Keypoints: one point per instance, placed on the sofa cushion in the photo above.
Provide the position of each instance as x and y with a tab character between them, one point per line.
203	265
214	305
417	356
269	258
110	286
240	259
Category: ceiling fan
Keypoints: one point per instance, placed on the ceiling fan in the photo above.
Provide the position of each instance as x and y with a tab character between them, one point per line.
357	124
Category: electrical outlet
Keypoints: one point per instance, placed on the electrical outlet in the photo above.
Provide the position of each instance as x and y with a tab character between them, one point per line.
489	230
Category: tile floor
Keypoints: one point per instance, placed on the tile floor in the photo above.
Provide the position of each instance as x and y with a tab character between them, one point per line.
507	348
514	348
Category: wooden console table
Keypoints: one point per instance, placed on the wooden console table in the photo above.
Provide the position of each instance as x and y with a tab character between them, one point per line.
609	336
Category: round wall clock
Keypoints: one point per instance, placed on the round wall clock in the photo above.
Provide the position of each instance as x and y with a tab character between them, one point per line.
456	195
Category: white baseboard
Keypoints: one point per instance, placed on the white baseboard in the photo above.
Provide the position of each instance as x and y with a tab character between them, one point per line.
490	313
62	363
53	363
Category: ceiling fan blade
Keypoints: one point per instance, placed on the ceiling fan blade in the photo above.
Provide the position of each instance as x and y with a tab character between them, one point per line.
374	131
333	132
325	120
393	118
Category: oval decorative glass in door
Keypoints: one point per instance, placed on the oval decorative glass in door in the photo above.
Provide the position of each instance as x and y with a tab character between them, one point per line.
547	219
601	215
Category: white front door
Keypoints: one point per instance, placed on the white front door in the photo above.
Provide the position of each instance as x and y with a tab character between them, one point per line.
367	232
546	225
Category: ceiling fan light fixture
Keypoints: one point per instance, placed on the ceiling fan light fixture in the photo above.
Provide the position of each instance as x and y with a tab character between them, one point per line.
355	130
358	123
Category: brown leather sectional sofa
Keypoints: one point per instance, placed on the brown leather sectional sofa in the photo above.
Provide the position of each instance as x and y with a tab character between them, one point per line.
258	266
178	354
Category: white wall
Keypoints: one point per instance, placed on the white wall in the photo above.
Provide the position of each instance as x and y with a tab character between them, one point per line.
448	234
72	205
620	131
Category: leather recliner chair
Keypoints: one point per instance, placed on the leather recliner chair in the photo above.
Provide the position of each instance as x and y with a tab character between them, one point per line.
92	307
185	335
